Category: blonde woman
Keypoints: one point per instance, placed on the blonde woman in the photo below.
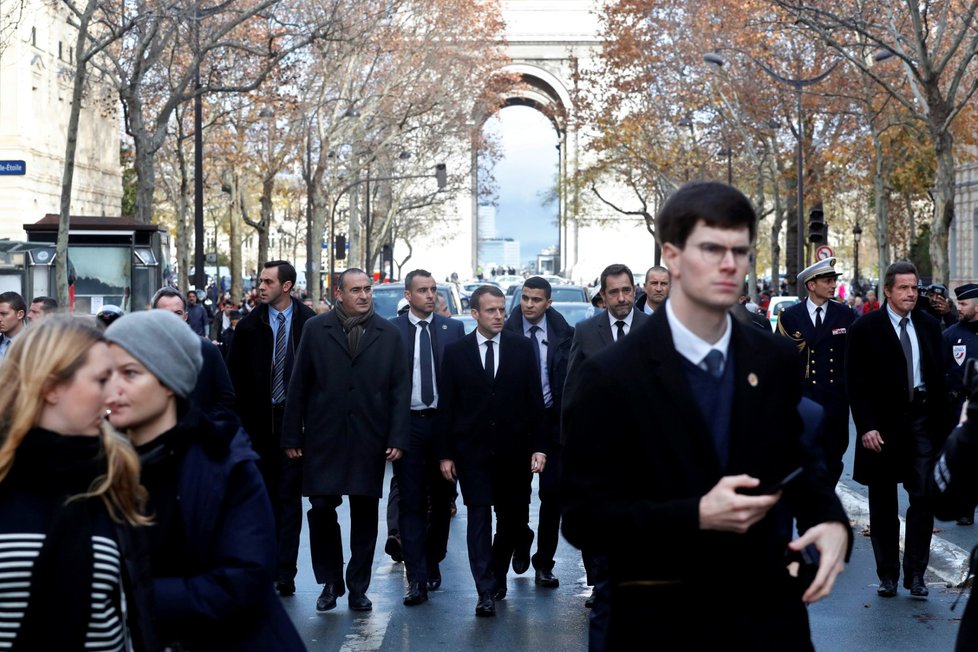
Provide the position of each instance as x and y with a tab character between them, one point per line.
68	488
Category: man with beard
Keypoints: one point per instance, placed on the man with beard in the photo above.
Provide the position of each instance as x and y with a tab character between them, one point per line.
961	343
346	415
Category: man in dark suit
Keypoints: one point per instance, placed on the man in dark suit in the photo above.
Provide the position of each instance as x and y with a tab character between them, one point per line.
898	394
591	336
260	358
424	496
348	413
617	319
661	492
819	327
551	337
490	411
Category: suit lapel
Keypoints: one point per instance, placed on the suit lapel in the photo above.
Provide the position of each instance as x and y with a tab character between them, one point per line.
750	377
604	330
370	335
335	331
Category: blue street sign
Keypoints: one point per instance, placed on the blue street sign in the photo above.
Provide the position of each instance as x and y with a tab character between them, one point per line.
13	167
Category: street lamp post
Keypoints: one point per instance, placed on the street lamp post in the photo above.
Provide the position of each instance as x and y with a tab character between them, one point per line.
857	232
713	58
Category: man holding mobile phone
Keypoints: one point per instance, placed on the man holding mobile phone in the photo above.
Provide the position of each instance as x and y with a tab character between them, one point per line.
658	493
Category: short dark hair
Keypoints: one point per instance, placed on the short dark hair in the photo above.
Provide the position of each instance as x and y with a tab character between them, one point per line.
715	204
657	268
478	293
899	267
349	270
14	300
286	272
615	270
413	274
539	283
168	292
48	305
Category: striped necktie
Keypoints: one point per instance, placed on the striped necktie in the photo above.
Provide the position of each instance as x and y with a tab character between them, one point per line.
278	369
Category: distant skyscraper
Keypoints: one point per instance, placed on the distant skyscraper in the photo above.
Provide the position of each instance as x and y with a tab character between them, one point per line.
499	252
487	222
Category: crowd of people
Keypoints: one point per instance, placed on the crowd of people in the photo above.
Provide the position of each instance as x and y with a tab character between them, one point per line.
153	478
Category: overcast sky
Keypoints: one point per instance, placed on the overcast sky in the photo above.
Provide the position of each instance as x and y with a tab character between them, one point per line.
525	173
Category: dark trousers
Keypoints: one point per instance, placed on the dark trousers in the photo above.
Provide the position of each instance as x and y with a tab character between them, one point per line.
393	498
326	543
597	622
489	557
836	435
884	519
548	522
283	480
424	501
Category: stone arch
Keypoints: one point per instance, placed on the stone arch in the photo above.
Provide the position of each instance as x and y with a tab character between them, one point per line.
545	92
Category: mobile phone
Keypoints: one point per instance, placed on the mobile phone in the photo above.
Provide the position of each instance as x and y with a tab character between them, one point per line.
770	487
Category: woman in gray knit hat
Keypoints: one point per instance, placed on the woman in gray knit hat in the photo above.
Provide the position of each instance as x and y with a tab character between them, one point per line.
212	550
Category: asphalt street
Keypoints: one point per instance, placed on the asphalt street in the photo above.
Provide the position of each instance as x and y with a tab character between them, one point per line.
853	618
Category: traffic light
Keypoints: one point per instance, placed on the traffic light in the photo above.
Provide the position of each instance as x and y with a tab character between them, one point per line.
386	255
816	225
339	247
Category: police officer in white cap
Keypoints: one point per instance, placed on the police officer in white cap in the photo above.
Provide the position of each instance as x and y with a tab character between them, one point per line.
818	326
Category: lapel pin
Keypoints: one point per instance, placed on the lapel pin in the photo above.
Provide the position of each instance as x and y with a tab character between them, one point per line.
444	327
752	379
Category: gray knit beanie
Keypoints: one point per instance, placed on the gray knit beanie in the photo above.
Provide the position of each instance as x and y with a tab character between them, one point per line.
164	344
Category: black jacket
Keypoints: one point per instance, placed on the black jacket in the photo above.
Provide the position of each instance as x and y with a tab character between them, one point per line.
250	366
560	334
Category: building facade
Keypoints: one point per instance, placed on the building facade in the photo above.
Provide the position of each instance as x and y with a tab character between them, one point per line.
37	68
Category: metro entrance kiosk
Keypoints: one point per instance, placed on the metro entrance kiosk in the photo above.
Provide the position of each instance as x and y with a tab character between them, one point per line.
110	261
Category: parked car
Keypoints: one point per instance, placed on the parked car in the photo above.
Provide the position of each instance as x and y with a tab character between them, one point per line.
387	295
505	282
558	293
776	306
574	311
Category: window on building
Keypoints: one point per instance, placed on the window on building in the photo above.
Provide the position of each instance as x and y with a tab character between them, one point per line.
34	36
60	51
71	55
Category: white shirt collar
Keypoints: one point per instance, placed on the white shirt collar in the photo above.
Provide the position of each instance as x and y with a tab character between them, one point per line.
627	318
414	319
481	339
692	346
542	325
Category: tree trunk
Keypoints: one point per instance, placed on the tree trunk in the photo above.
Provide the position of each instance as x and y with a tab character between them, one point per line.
145	181
943	204
320	212
67	177
882	210
234	229
265	224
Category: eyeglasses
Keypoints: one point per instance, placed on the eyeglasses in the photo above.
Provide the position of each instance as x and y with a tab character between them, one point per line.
714	253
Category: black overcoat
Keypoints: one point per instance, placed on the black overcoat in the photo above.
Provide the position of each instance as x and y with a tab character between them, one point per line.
344	411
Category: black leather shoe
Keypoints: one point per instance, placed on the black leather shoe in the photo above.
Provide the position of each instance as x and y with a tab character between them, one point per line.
434	578
360	603
416	594
917	587
327	599
285	587
485	607
393	548
888	588
589	603
499	594
521	556
547	579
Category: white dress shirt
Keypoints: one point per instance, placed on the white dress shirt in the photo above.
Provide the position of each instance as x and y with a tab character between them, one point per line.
416	402
482	339
914	345
542	340
614	320
692	346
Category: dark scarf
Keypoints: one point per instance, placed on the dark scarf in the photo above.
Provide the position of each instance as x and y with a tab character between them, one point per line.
63	571
354	326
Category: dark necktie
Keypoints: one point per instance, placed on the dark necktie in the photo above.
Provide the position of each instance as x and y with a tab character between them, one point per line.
908	354
621	329
818	318
714	363
278	368
536	344
427	384
490	362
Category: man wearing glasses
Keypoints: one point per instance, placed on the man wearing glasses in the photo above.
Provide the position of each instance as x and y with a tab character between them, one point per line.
347	412
664	493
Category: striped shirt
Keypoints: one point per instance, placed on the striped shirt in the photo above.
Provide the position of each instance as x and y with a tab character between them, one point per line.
106	631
